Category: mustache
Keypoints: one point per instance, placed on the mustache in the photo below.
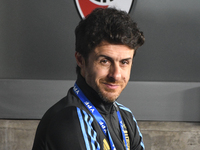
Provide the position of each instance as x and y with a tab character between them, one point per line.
111	81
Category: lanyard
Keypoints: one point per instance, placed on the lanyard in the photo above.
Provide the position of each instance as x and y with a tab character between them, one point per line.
99	118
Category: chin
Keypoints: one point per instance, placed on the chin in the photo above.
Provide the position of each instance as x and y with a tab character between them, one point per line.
108	99
107	95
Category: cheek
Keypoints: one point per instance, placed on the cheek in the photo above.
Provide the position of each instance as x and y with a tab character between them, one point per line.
126	75
98	76
101	71
92	75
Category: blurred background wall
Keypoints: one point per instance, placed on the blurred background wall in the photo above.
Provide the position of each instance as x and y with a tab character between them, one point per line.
37	68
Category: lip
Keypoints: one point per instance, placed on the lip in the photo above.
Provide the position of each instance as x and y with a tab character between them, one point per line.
111	86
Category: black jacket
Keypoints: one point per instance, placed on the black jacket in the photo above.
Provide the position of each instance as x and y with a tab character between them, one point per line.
69	125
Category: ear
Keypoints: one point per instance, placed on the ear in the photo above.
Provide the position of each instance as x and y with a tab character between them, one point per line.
79	59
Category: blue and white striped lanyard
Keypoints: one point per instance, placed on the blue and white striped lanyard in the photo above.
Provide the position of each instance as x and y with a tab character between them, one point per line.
99	118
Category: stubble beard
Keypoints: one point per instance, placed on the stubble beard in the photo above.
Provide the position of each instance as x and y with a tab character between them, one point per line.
106	99
103	95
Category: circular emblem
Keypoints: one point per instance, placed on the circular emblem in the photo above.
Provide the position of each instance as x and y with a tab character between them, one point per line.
85	7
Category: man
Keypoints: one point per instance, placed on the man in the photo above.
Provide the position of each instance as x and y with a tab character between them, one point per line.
89	118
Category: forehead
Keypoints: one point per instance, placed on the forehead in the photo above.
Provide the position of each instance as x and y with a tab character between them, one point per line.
113	50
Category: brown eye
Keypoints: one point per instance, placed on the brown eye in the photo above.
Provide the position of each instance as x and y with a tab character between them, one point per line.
104	61
124	62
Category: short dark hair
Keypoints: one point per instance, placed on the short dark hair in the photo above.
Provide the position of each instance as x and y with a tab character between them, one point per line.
110	25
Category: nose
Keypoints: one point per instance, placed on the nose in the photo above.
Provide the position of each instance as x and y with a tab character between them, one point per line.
115	72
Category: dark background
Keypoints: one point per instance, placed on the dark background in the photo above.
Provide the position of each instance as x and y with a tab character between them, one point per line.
37	40
37	64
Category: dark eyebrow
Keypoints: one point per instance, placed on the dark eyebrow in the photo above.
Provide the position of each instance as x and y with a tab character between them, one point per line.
127	58
109	58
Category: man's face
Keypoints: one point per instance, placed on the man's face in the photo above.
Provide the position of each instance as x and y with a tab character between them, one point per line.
107	70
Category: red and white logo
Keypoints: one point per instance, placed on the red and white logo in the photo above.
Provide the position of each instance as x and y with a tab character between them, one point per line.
85	7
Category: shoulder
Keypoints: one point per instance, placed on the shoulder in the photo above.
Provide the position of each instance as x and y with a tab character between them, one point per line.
72	127
57	113
66	124
64	131
66	120
64	113
68	101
